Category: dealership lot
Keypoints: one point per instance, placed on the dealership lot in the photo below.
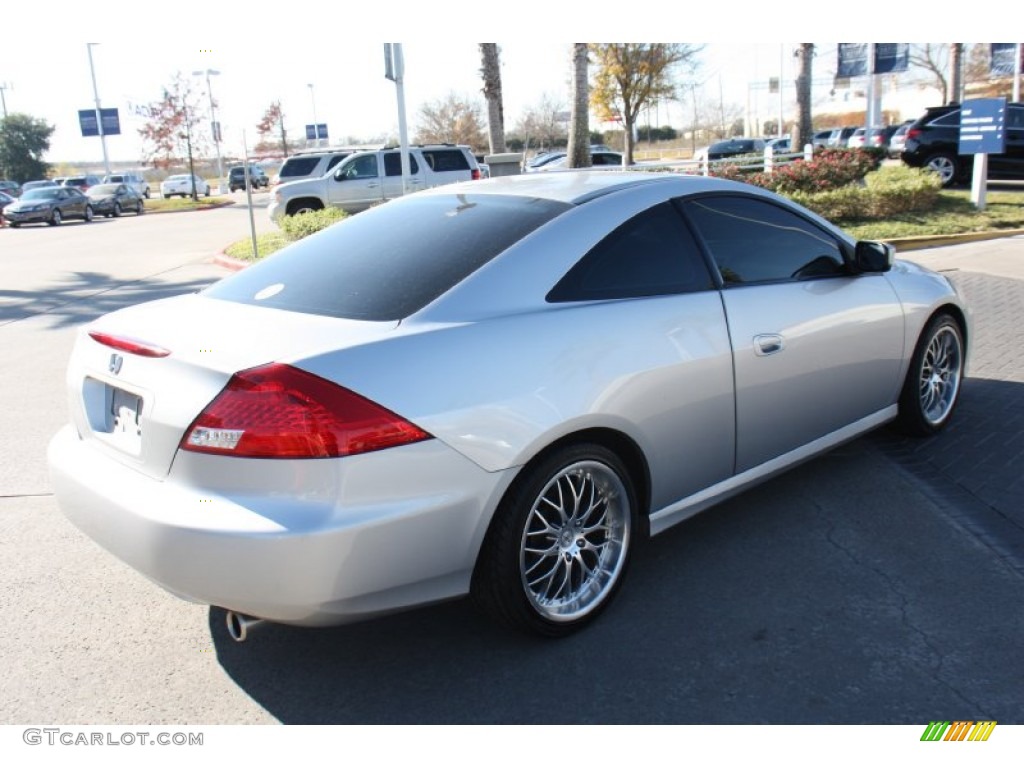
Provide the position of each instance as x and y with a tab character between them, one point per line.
880	583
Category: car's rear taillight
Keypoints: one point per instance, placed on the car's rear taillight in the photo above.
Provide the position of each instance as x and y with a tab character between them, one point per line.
277	411
476	174
913	133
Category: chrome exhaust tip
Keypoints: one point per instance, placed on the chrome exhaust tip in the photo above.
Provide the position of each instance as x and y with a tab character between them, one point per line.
239	625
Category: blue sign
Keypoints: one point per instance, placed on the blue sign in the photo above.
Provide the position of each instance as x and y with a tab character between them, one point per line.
853	60
982	124
889	57
314	132
1002	59
88	123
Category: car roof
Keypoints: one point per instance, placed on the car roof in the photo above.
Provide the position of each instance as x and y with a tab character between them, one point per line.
577	186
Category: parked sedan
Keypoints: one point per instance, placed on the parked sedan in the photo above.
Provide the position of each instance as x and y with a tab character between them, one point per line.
49	205
113	199
497	387
183	184
11	188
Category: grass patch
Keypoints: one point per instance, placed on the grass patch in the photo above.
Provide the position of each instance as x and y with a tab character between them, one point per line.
952	214
156	204
266	244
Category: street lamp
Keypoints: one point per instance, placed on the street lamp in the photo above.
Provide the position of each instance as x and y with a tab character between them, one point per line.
316	130
214	127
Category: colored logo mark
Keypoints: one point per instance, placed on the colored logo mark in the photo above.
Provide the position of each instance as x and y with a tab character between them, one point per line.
958	730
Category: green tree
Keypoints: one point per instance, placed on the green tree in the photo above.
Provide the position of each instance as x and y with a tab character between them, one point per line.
169	135
630	76
23	142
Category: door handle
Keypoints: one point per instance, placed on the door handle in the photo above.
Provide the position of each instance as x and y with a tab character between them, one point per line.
767	344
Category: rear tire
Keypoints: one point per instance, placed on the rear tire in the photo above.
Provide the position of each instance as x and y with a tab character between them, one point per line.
117	209
55	218
559	544
947	166
931	390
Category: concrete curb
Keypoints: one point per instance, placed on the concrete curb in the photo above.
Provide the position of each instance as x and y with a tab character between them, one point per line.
903	244
230	262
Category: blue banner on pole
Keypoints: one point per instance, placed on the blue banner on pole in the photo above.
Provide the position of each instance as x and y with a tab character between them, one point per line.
88	123
853	60
891	57
1002	59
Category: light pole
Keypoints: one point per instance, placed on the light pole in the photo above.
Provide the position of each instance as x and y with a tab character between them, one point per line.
3	97
316	130
214	127
99	111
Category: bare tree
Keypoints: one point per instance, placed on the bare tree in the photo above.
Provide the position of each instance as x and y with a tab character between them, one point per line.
272	120
632	75
453	119
168	134
933	58
579	125
544	124
491	73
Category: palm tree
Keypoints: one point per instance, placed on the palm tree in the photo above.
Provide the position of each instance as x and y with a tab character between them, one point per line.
491	72
579	128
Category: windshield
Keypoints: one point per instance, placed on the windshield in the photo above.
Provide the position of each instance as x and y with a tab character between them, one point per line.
46	193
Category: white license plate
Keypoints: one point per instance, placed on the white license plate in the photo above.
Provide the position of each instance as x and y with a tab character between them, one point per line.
123	419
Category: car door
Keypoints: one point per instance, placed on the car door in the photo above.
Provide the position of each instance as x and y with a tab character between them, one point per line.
356	184
1010	164
815	347
393	186
647	281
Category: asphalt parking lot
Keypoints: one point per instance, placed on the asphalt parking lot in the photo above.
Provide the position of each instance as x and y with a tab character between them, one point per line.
881	583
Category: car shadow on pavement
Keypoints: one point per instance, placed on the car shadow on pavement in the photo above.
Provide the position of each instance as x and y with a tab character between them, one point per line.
845	591
84	296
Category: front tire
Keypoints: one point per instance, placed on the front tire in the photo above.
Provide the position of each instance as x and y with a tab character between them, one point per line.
117	209
559	544
88	214
55	218
932	387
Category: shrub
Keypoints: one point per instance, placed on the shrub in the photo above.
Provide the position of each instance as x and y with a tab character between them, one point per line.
828	169
304	224
885	192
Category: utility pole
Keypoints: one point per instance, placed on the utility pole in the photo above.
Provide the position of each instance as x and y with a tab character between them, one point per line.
99	111
3	97
214	127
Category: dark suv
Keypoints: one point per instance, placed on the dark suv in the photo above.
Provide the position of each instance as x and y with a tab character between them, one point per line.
933	141
257	177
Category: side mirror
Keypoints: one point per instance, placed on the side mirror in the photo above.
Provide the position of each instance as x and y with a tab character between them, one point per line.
872	256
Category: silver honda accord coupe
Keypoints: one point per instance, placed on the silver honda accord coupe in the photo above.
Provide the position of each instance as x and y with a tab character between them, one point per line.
496	388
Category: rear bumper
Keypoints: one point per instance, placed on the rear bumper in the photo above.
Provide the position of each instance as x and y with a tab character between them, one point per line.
304	542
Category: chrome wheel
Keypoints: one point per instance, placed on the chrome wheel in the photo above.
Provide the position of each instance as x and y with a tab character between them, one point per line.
943	165
932	386
941	369
575	541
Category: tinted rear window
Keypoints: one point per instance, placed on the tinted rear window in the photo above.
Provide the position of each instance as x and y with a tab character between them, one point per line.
388	262
298	166
441	160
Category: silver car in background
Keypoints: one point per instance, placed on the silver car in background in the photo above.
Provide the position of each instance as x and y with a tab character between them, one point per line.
496	388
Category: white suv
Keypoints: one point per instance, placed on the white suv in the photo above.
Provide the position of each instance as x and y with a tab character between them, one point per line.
313	164
364	179
133	180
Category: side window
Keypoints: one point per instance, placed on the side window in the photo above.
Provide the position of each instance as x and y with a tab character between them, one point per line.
393	164
446	160
364	167
334	161
754	241
652	254
951	119
1015	117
